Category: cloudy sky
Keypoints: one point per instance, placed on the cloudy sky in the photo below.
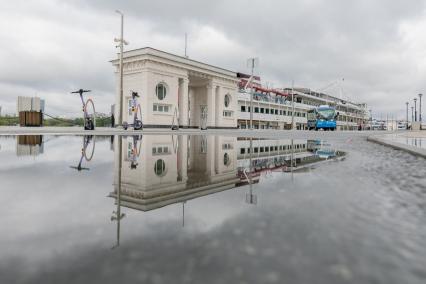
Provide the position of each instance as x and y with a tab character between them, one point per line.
49	48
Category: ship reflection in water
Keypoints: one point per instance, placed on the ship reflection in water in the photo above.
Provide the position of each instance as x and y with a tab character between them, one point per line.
156	171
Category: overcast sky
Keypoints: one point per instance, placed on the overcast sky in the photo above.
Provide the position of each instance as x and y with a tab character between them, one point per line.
49	48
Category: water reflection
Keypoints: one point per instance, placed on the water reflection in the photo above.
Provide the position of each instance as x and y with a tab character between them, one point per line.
87	152
159	170
29	145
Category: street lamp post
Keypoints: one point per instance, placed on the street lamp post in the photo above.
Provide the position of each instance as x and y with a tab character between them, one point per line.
406	104
412	115
292	105
420	108
121	42
415	109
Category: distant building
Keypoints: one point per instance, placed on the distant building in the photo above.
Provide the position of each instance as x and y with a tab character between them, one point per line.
30	111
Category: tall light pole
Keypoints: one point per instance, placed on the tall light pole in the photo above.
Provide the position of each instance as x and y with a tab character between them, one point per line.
406	104
415	109
252	62
292	104
420	109
412	115
121	42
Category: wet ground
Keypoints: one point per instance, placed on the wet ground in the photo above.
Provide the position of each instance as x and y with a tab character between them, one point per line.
410	141
179	209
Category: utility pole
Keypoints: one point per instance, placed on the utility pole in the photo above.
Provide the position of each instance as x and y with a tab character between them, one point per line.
412	115
292	104
420	109
406	104
252	64
251	96
121	42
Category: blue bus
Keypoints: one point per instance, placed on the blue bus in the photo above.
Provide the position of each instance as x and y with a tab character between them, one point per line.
323	117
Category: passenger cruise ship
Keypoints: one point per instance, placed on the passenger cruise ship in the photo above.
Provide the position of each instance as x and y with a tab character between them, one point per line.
272	108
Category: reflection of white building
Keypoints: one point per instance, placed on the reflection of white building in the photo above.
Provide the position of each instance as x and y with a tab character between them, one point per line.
173	169
161	170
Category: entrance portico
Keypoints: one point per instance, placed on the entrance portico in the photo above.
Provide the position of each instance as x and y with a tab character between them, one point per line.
175	90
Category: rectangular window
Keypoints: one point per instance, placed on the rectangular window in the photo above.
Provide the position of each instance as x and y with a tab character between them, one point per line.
243	151
243	108
256	150
281	112
262	149
267	111
256	110
262	110
161	108
227	113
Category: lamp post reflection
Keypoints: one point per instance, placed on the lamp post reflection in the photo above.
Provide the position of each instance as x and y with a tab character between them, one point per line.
250	197
117	215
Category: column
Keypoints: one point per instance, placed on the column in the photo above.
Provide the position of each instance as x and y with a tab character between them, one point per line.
182	158
211	156
218	114
183	102
211	105
192	107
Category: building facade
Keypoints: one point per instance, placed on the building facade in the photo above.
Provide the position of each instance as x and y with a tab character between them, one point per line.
175	90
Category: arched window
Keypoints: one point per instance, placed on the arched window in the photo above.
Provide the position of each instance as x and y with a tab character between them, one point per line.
227	100
161	91
160	167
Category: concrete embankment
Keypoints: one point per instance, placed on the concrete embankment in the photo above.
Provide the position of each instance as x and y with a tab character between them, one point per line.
394	141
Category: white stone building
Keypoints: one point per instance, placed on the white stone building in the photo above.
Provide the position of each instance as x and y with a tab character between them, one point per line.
174	88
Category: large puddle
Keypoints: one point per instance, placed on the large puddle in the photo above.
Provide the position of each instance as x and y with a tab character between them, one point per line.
201	209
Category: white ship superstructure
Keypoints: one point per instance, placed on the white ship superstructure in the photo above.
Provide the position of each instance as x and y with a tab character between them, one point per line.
273	108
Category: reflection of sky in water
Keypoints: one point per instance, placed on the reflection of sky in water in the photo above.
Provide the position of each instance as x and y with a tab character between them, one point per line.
416	142
349	220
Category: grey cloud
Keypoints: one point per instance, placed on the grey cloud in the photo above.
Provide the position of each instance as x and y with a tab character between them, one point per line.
311	42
